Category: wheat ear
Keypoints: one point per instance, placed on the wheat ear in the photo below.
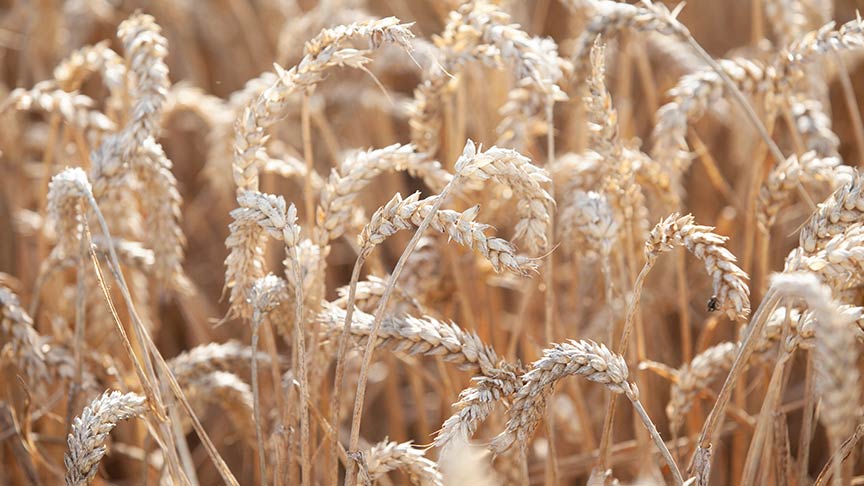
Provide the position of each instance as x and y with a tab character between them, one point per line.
701	372
836	357
145	49
17	329
323	53
75	109
841	210
585	358
386	456
90	432
400	214
731	293
784	180
481	31
337	200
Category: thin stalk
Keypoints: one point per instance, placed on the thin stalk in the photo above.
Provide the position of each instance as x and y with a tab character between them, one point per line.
753	334
606	435
146	384
47	165
256	399
300	351
151	349
80	315
336	397
634	304
807	421
376	326
549	279
840	454
306	128
682	288
658	440
765	422
851	105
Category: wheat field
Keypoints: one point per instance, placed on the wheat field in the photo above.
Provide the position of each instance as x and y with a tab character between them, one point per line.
431	242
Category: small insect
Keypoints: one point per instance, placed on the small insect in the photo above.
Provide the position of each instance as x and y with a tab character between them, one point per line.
713	304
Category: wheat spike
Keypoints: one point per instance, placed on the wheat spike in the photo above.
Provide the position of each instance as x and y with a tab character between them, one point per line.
90	432
585	358
387	456
731	293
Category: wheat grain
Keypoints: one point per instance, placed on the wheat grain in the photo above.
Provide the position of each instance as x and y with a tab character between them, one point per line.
838	264
814	125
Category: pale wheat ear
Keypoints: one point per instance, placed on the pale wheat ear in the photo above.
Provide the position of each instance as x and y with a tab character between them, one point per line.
325	52
481	31
90	432
585	358
731	293
387	456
